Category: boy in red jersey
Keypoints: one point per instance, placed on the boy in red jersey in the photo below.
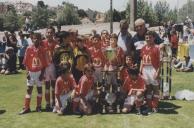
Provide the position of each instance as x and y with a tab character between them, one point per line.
35	62
129	62
85	91
97	58
150	69
65	83
50	73
134	86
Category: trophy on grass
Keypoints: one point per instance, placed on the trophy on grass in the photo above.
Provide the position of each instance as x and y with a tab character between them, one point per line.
110	98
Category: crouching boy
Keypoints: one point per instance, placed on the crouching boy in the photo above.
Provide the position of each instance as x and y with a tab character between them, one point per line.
134	87
85	93
65	83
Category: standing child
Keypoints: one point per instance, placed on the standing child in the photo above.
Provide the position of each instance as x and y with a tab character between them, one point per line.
97	58
50	73
134	87
65	83
35	63
81	57
150	69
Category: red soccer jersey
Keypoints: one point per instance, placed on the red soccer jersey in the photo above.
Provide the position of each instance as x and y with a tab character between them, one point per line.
35	59
129	85
124	74
174	40
49	48
85	85
63	86
151	56
97	57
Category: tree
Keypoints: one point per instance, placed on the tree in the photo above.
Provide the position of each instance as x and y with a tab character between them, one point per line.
162	9
10	19
40	15
116	16
68	15
186	10
145	11
82	13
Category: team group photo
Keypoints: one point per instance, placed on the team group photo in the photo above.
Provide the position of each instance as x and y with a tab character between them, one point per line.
69	67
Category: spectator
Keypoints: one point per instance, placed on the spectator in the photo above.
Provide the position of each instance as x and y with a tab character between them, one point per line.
124	38
22	44
186	66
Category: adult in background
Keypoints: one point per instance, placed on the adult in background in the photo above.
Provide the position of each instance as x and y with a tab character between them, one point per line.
124	38
138	39
22	45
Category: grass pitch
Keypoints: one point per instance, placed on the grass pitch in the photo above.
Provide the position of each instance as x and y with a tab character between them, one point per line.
173	113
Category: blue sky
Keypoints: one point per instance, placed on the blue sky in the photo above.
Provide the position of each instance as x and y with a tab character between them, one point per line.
100	5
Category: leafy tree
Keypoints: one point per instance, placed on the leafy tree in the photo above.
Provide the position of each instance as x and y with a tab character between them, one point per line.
162	9
82	13
116	16
10	19
186	10
68	15
40	15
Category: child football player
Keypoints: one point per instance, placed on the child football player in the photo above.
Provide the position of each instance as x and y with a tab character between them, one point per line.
35	62
150	69
65	83
134	87
85	91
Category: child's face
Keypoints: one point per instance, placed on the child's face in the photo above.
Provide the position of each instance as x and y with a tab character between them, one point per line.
49	33
36	40
96	42
149	39
89	72
113	42
65	75
80	44
133	77
128	61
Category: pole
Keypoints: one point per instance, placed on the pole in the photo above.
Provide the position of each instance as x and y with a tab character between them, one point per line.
111	17
133	10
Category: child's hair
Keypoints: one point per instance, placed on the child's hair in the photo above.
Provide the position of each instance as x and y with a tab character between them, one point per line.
152	33
133	71
65	68
37	35
88	67
96	36
51	27
113	35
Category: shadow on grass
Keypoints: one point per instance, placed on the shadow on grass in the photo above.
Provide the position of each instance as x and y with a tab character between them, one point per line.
2	111
167	108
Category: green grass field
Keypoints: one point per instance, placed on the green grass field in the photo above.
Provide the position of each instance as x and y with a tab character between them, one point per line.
12	90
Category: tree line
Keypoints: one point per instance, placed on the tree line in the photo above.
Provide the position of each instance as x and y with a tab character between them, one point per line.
69	14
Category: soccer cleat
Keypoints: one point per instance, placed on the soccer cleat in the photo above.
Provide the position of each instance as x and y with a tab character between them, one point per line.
54	110
24	111
48	108
38	109
138	111
154	110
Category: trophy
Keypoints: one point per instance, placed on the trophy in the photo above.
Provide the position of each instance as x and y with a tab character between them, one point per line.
110	54
110	98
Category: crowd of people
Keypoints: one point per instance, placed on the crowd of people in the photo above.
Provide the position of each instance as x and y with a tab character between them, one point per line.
71	66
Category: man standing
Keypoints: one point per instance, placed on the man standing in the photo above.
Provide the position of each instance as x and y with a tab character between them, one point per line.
138	39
